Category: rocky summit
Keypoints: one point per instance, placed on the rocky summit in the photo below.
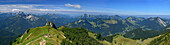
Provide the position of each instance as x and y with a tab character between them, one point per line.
51	24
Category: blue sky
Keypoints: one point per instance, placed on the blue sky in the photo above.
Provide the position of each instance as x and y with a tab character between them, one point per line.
110	7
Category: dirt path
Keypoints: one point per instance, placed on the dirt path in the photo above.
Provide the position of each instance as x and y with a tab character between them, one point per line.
27	37
34	40
63	35
43	42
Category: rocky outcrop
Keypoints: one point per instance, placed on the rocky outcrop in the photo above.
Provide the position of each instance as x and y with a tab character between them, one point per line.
51	24
162	22
159	21
25	33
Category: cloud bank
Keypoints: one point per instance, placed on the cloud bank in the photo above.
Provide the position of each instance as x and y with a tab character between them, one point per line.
33	8
61	9
74	6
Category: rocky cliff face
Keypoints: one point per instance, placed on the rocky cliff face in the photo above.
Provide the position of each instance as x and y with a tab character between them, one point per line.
31	17
51	24
161	22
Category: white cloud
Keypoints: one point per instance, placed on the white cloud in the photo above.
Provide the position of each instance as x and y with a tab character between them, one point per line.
24	7
15	7
43	9
74	6
16	10
33	8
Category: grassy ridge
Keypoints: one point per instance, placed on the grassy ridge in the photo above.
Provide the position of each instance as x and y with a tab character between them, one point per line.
81	36
37	35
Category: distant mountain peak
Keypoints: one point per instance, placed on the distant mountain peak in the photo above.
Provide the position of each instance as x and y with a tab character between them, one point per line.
116	15
153	18
85	15
159	20
20	13
131	17
31	17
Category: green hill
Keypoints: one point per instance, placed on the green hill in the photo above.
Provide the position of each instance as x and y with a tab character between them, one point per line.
142	34
40	35
164	39
51	36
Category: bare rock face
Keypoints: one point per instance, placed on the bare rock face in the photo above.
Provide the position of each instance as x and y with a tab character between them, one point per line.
31	17
25	33
161	22
47	23
51	24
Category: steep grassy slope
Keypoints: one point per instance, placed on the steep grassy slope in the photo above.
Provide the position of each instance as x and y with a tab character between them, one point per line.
164	39
120	40
142	34
104	42
78	36
40	35
115	40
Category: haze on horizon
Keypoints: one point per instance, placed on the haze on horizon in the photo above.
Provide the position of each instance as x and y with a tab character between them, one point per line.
105	7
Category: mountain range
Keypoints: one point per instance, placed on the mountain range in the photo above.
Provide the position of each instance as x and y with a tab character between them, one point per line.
116	24
130	28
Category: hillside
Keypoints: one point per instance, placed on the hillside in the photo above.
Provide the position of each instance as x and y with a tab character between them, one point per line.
115	39
40	35
6	15
48	35
18	24
121	26
154	23
6	37
164	39
100	25
142	34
